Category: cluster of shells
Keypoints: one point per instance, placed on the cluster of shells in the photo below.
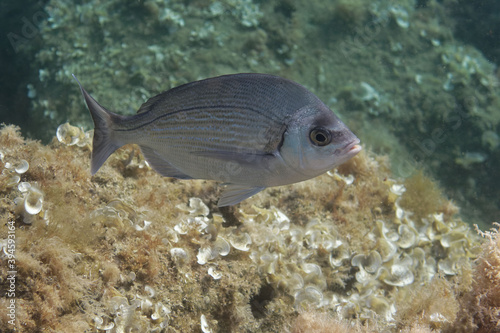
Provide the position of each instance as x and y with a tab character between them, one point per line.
29	203
148	311
305	261
218	241
143	313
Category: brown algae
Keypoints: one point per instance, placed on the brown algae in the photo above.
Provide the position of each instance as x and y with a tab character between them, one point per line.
131	250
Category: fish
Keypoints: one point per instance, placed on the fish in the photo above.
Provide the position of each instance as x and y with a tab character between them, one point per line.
249	131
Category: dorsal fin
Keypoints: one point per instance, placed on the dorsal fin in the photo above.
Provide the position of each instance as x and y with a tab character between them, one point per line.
149	103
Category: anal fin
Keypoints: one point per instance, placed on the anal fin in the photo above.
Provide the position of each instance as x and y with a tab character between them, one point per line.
234	194
162	166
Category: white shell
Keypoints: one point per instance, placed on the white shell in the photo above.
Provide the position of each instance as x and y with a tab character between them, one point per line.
204	324
241	241
150	291
146	225
310	295
371	262
33	201
172	236
178	254
312	269
22	167
24	186
99	324
12	181
386	249
204	255
341	254
400	276
407	238
196	207
220	247
398	189
69	135
214	272
447	266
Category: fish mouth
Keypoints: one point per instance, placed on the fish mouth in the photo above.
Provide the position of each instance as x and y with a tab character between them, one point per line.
352	148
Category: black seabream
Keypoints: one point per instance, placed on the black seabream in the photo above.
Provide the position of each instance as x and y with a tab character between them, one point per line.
250	131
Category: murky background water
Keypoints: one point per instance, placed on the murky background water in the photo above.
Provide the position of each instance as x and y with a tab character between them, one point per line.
413	79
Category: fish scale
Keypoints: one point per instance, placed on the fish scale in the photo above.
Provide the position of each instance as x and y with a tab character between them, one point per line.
202	125
250	131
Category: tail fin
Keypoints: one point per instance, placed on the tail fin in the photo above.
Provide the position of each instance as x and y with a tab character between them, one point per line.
104	143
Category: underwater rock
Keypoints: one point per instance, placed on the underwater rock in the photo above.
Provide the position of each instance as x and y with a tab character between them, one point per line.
339	249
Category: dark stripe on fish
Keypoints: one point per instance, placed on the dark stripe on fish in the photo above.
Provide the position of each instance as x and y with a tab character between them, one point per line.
215	107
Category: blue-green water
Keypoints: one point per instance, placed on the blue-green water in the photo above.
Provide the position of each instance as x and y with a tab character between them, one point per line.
414	79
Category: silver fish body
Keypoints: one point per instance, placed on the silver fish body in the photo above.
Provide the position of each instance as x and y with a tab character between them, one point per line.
250	131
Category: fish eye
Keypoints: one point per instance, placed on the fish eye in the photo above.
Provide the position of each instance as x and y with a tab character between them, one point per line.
320	136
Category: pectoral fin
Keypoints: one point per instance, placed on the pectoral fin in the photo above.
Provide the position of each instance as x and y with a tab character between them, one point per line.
234	194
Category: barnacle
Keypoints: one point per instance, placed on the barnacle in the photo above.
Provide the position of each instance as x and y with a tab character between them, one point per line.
447	266
146	225
398	189
314	275
363	277
151	292
437	319
321	236
12	172
448	239
386	249
268	262
401	16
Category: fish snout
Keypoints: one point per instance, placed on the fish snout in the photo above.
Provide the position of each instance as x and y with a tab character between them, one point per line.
352	148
